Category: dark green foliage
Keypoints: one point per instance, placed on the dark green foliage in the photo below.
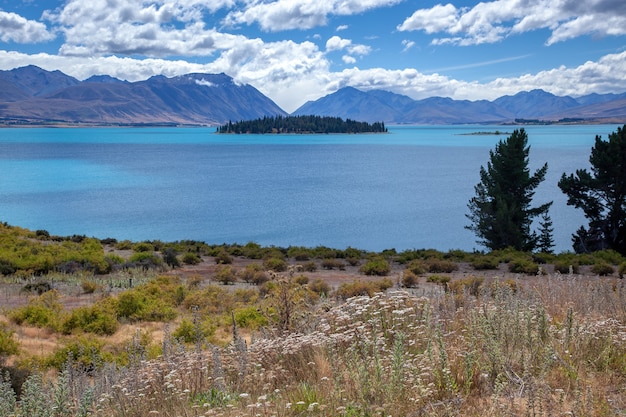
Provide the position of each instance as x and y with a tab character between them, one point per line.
523	266
602	268
601	194
302	124
484	262
275	264
170	257
376	266
441	266
546	239
190	258
223	257
501	214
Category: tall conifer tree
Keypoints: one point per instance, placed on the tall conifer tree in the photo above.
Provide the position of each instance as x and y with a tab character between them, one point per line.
601	194
501	214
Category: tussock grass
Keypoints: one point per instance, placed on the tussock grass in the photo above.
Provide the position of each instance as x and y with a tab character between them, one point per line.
551	346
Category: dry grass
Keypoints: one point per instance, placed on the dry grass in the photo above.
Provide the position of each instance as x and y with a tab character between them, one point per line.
551	345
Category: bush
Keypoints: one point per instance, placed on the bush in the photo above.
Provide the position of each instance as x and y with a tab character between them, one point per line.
86	353
361	288
416	266
143	247
523	266
622	269
376	266
333	264
89	287
250	318
190	258
319	286
124	245
309	266
145	260
301	279
470	284
482	263
92	319
438	266
275	264
223	258
563	266
8	345
189	332
409	279
226	275
602	268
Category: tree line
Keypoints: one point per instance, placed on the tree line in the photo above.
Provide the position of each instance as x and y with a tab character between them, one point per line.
502	214
301	124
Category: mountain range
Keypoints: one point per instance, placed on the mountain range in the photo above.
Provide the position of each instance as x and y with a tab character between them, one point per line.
31	95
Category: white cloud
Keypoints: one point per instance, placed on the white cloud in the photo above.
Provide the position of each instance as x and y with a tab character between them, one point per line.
407	45
280	15
158	29
336	43
348	59
489	22
15	28
341	27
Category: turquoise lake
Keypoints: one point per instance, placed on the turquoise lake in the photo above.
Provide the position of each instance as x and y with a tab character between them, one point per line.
405	190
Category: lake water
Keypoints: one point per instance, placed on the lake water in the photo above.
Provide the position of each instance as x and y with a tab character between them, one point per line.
406	190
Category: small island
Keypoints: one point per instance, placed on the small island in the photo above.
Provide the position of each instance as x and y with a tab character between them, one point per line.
301	125
497	132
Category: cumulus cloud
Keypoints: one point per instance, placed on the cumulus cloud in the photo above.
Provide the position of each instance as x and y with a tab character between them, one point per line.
15	28
164	28
490	22
336	43
280	15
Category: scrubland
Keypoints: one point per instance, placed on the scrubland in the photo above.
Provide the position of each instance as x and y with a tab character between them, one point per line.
187	329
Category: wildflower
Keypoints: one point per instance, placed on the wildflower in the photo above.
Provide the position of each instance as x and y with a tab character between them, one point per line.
244	395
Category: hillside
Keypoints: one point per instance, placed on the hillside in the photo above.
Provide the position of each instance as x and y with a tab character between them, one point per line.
33	95
389	107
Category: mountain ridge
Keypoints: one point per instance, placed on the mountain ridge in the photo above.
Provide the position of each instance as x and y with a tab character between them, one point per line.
31	95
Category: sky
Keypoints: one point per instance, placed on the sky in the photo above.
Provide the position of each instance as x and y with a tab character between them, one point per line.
294	51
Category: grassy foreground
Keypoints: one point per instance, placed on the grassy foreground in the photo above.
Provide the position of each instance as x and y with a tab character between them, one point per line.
240	335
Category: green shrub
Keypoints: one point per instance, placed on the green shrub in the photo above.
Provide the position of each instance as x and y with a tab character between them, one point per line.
143	247
43	311
416	266
145	260
190	258
91	319
190	332
86	352
376	266
331	263
8	345
299	253
250	318
254	274
130	305
523	266
226	275
319	286
275	264
485	262
301	279
438	266
124	245
602	268
622	269
223	257
608	256
562	265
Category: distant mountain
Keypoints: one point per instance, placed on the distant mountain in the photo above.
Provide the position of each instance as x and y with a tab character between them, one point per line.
33	95
388	107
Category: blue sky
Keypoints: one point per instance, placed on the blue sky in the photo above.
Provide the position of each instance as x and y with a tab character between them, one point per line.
299	50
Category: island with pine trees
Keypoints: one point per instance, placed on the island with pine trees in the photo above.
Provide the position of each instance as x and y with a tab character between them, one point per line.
301	124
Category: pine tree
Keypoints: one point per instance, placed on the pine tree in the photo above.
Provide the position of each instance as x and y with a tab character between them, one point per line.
501	214
601	194
546	241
